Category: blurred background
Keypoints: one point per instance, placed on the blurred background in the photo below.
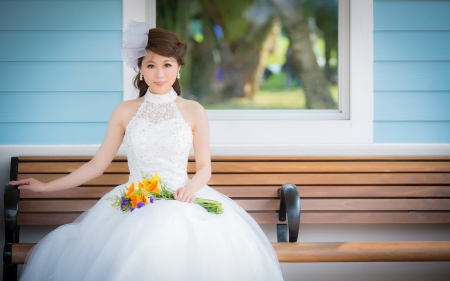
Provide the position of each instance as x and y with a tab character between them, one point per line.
257	54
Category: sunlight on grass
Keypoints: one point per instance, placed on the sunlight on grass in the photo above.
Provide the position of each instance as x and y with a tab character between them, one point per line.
272	95
294	99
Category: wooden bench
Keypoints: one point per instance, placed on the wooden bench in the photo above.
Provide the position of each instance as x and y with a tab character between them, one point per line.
361	190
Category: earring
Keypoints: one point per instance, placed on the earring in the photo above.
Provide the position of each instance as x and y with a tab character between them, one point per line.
141	77
178	75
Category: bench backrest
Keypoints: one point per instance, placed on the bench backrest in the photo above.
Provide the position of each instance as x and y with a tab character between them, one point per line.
378	189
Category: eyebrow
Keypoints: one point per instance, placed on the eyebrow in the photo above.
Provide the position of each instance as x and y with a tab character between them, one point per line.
163	60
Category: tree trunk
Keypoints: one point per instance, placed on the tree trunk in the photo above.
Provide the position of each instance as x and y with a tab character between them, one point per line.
242	42
203	63
304	60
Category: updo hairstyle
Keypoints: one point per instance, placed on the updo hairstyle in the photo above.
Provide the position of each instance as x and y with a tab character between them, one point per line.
166	44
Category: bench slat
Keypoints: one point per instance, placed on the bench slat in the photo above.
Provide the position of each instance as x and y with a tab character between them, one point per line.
260	167
43	206
332	251
362	251
96	192
279	179
64	218
66	167
259	158
272	218
380	217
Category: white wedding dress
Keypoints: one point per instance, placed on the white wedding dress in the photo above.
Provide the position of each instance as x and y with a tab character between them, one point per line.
167	240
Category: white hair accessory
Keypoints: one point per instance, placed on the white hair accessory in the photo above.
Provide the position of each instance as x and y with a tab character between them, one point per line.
134	41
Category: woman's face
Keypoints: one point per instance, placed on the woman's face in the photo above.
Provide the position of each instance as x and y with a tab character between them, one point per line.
159	72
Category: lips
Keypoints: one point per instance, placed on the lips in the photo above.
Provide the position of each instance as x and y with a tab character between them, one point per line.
159	84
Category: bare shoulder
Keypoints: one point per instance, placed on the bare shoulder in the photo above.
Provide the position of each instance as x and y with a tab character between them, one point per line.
192	111
126	110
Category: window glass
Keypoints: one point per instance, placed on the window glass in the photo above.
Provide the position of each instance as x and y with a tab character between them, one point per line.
257	54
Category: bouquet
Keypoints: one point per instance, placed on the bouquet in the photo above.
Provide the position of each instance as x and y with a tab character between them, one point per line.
148	190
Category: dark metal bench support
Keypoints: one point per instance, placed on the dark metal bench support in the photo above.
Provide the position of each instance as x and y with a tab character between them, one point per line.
11	205
290	205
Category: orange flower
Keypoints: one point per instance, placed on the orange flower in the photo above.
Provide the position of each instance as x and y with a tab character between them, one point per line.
130	189
134	201
155	187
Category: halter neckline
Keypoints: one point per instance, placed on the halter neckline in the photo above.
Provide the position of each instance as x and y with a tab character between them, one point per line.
161	98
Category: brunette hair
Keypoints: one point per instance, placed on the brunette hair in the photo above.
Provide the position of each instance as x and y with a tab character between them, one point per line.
163	43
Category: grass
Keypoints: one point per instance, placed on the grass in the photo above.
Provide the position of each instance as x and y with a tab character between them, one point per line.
270	96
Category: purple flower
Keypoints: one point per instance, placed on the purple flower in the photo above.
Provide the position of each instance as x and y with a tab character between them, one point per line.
151	199
131	209
140	204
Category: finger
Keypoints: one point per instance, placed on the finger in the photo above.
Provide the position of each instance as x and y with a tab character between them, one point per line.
180	195
175	194
19	182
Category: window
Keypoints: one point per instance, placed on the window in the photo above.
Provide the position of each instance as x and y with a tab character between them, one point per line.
295	128
245	55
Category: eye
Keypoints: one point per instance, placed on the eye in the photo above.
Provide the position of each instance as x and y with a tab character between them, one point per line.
150	66
167	65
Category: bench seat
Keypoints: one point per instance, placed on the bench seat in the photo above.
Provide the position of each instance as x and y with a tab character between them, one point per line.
333	190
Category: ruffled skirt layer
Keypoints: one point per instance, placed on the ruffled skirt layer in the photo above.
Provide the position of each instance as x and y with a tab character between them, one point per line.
167	240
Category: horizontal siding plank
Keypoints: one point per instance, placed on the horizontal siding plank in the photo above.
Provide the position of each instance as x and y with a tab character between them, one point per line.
412	106
61	76
279	179
411	15
52	133
272	218
259	167
411	45
271	191
60	45
60	15
309	205
411	132
59	107
412	76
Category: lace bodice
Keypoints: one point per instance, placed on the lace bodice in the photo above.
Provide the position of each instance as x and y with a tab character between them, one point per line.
158	139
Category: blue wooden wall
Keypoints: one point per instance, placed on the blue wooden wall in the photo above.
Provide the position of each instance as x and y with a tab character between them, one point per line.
60	70
412	71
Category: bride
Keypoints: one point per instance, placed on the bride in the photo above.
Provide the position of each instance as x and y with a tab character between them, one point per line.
170	239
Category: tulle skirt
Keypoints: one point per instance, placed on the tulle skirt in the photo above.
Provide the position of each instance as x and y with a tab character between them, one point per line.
166	240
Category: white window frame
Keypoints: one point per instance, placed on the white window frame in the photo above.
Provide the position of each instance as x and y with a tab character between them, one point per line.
246	128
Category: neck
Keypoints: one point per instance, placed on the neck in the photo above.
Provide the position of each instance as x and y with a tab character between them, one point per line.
161	98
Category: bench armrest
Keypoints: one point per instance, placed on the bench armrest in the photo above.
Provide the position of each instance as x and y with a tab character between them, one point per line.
11	205
290	205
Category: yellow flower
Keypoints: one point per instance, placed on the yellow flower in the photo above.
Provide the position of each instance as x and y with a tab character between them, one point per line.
147	183
156	177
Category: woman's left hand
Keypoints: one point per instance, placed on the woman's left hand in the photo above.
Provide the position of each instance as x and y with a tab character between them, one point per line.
184	194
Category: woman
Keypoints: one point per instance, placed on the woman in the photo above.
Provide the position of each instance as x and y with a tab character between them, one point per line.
170	239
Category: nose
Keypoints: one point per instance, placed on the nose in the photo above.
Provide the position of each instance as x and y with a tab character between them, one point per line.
159	73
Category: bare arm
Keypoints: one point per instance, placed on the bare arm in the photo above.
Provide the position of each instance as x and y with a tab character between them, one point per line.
91	169
202	157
